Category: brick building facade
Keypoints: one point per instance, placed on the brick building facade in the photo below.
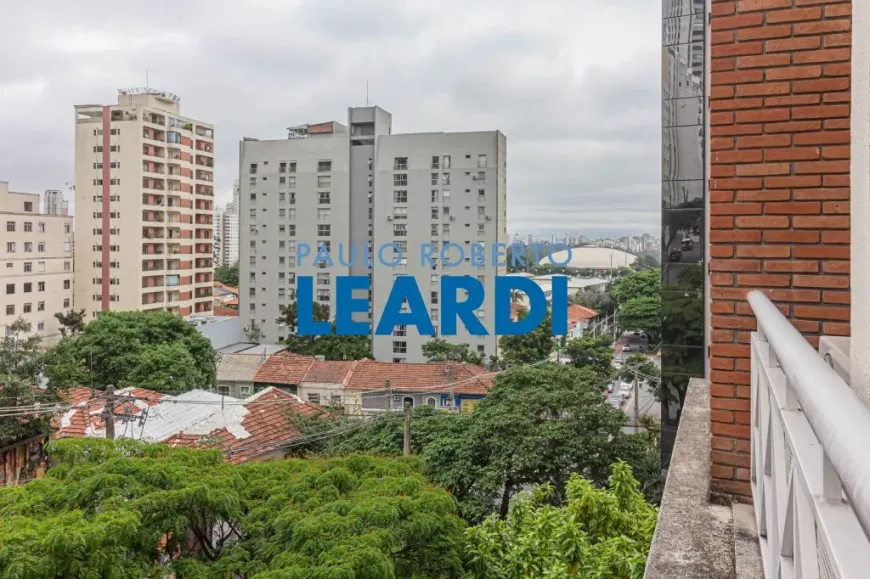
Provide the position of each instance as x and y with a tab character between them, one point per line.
779	194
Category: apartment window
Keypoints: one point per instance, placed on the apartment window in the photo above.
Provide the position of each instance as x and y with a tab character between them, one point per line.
314	398
400	229
400	180
323	295
291	230
481	176
400	164
283	214
323	198
42	228
433	297
322	279
323	214
401	248
445	229
481	211
481	228
292	198
324	230
10	310
28	247
435	180
282	197
28	266
10	288
446	211
291	182
434	279
28	308
445	162
434	230
436	162
282	167
291	167
481	194
433	314
28	226
324	166
400	196
434	196
28	206
40	306
253	169
252	213
282	180
10	226
400	212
291	214
400	347
481	161
400	331
40	286
326	245
67	266
445	179
66	284
40	247
434	213
252	181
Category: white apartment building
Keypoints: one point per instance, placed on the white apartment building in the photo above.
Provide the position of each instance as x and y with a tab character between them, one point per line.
36	264
144	177
356	184
54	203
226	232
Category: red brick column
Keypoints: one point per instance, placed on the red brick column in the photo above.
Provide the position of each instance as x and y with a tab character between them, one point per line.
779	192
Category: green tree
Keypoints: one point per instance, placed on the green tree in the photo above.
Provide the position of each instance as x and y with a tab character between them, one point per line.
529	348
21	352
598	533
127	509
166	368
440	350
591	353
227	275
644	314
601	302
646	283
64	367
646	260
645	368
331	347
114	345
71	322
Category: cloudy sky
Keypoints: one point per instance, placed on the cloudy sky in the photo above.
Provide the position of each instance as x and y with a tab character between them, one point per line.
574	84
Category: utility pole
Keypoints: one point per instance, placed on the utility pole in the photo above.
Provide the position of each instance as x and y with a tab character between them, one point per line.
636	386
450	378
109	412
407	445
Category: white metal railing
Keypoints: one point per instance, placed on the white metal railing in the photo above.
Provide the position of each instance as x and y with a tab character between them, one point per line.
810	457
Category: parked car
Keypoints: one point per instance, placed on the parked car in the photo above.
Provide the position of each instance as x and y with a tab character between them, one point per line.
687	244
675	255
624	389
626	348
615	400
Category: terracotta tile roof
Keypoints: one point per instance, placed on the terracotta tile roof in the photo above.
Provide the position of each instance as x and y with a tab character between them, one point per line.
577	313
243	429
227	288
431	377
284	368
222	311
328	372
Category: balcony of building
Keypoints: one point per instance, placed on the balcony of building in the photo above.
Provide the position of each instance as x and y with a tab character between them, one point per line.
153	199
204	219
152	281
807	466
202	307
152	216
173	297
152	167
204	146
151	298
204	205
154	184
178	155
204	175
204	132
203	277
153	151
204	161
204	248
153	249
186	204
154	119
205	190
153	233
153	134
153	265
203	292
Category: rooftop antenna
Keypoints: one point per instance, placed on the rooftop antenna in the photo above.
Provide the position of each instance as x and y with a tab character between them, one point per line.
146	79
367	93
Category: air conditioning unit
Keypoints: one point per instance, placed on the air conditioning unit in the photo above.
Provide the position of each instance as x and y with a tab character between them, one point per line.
389	217
452	218
835	351
489	218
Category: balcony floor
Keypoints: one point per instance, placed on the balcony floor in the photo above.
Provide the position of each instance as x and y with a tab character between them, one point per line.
697	539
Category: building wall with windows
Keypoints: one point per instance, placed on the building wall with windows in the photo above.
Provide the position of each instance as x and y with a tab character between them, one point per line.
447	189
36	264
144	191
291	191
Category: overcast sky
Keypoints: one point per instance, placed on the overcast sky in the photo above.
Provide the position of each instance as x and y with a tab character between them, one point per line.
574	84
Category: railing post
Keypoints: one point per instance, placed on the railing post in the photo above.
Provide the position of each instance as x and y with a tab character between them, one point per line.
832	486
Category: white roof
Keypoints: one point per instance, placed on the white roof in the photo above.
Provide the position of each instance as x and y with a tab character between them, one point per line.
593	258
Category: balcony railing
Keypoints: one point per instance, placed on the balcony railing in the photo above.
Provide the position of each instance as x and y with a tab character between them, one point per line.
810	465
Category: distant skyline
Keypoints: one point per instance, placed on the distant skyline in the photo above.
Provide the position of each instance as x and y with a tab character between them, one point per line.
573	84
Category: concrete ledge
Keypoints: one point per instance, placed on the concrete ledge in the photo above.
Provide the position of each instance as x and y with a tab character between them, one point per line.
694	538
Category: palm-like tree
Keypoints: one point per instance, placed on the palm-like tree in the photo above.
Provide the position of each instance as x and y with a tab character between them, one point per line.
516	296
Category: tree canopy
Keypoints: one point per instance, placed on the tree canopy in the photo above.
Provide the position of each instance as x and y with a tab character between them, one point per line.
331	347
594	354
637	284
156	350
528	348
227	274
597	533
128	509
644	314
71	322
440	350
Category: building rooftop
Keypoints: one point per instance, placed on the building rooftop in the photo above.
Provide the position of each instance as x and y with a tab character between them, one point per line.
243	429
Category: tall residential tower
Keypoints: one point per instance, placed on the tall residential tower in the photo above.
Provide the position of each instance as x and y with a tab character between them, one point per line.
144	200
356	185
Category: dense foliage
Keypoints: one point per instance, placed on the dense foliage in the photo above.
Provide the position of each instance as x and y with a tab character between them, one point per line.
643	314
530	348
603	533
331	347
227	275
133	510
156	350
537	425
646	283
440	350
594	354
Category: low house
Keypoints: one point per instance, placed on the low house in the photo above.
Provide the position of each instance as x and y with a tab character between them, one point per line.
258	427
579	319
225	295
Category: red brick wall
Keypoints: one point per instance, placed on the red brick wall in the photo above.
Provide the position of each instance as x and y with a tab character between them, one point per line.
779	192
